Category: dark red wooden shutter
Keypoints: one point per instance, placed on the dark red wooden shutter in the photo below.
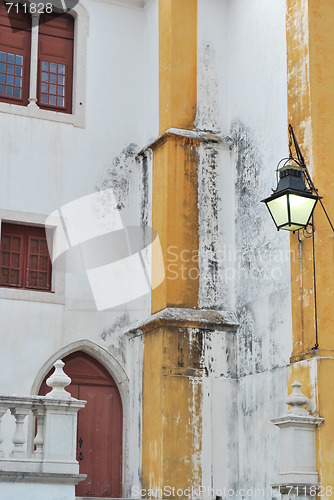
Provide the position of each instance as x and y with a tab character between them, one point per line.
38	273
11	261
55	62
15	42
24	257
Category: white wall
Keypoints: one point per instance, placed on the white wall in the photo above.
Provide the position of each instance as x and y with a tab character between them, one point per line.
151	59
31	491
47	164
242	94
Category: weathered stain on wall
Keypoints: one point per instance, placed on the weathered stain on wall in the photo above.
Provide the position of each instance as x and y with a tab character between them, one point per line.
135	369
249	237
117	175
258	402
254	265
208	86
259	263
212	293
145	160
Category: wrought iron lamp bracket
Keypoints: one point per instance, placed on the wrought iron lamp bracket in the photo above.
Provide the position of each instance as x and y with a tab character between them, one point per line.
301	162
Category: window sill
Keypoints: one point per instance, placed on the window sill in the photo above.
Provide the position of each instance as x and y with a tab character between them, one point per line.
43	114
32	295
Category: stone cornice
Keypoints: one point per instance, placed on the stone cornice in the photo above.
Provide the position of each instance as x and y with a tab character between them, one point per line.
13	401
291	419
205	319
41	477
197	136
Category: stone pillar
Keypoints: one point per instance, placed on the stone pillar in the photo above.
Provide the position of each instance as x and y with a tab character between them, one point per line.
177	344
175	338
172	347
60	425
298	474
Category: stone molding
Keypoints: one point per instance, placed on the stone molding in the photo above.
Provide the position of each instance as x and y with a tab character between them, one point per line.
301	421
40	477
204	319
196	136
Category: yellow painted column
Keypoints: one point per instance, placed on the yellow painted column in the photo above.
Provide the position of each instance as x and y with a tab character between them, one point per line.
175	218
172	401
310	53
299	114
172	366
177	64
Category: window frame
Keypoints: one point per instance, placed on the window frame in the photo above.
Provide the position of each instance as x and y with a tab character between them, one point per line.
23	100
22	47
50	38
56	295
26	233
77	117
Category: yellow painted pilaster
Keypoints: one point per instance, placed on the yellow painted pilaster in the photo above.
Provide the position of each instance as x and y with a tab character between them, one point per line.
152	406
177	64
310	43
175	218
172	426
326	431
321	19
172	410
299	114
310	51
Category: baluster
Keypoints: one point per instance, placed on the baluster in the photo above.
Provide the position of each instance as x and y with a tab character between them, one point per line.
58	381
3	410
19	437
39	413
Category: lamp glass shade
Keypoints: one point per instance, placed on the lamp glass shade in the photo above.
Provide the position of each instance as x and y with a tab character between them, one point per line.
301	208
278	208
291	211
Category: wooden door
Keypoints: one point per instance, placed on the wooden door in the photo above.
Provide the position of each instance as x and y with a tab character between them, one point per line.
99	437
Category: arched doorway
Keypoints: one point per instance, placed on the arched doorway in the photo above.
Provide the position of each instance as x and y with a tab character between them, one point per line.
99	437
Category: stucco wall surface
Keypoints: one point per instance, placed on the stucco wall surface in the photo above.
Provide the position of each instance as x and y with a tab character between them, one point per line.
45	165
242	96
41	492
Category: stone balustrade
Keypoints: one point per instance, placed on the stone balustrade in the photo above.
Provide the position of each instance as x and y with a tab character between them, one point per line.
43	445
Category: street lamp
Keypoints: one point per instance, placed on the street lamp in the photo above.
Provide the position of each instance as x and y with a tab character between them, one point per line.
293	201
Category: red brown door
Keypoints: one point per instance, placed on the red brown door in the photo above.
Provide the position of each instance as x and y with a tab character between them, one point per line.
99	438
